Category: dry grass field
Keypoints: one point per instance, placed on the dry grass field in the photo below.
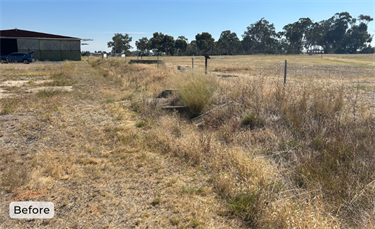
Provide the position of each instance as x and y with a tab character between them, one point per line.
85	136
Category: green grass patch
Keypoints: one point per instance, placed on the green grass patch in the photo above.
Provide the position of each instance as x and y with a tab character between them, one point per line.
244	205
252	121
46	93
194	190
119	117
141	123
360	87
109	101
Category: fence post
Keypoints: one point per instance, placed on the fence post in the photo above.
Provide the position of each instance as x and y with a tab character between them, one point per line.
285	73
205	65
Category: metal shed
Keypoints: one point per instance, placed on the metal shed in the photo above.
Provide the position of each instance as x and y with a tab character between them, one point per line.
46	46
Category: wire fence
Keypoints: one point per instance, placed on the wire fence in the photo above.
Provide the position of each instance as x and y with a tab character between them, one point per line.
232	64
355	78
320	71
358	78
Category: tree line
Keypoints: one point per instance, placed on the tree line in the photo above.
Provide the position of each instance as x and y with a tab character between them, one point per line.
341	33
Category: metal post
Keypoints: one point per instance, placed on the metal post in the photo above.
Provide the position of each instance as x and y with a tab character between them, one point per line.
158	61
192	62
285	73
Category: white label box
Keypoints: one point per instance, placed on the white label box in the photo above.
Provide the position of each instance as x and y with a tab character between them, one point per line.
31	210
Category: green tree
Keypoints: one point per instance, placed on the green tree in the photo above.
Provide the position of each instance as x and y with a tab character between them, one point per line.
163	43
156	41
315	35
229	42
120	43
368	49
297	33
142	44
205	42
364	19
334	31
356	37
283	45
192	48
260	37
168	45
182	38
181	44
218	49
85	53
345	34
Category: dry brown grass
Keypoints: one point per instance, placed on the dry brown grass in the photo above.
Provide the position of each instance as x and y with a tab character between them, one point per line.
293	157
307	133
83	151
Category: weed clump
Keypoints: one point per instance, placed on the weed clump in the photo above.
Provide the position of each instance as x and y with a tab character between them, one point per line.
245	205
141	124
196	91
156	201
8	106
47	93
252	121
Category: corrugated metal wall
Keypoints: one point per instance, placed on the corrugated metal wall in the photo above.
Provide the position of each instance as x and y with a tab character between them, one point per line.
53	50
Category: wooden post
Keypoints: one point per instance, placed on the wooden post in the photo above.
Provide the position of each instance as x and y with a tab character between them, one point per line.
206	56
285	73
205	66
158	61
192	62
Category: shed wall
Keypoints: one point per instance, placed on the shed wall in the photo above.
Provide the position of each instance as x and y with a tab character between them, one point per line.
8	46
53	50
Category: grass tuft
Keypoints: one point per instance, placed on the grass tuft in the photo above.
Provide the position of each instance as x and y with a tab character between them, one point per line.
196	91
252	121
47	93
8	105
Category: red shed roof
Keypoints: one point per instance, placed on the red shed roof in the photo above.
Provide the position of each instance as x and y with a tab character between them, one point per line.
25	33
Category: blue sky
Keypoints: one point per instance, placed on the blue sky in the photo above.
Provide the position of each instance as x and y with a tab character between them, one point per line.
100	20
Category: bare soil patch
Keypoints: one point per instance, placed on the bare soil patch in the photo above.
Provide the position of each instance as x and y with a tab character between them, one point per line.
20	83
